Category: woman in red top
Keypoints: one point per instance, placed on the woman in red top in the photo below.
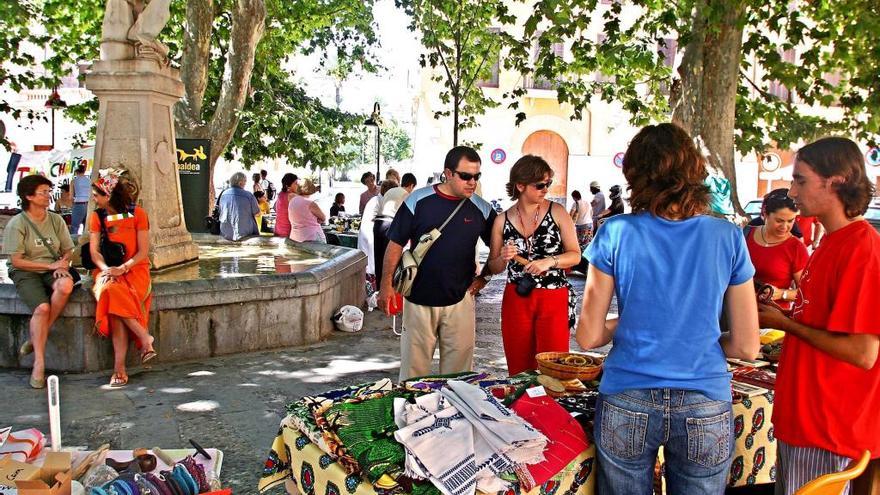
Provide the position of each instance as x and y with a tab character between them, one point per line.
123	292
778	256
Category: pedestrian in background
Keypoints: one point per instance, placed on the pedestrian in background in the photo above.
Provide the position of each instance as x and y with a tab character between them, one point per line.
258	182
81	187
391	200
289	185
779	257
369	180
238	209
580	214
305	215
597	204
338	205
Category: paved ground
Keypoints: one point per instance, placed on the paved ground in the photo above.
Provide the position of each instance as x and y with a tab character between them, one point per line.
234	403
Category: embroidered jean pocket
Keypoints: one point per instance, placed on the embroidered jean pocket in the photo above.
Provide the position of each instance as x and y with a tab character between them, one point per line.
623	432
709	439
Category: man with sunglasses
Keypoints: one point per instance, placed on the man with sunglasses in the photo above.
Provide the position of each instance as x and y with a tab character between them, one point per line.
440	307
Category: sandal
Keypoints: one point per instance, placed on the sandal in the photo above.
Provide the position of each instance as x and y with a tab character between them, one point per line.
148	356
26	348
37	383
118	381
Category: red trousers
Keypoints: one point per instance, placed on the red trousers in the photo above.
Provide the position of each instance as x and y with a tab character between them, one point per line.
533	324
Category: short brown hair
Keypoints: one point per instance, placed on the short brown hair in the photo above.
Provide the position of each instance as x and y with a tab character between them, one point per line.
527	170
832	156
387	185
27	186
666	172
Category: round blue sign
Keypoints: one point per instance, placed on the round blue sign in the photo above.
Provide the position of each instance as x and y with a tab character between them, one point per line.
498	155
618	160
873	157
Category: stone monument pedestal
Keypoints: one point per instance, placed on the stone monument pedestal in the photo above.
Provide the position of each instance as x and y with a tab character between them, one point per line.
136	132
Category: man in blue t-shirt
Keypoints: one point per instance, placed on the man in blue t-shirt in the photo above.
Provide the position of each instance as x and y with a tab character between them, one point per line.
440	306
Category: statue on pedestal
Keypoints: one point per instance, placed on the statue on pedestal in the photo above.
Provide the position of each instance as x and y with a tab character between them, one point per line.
136	23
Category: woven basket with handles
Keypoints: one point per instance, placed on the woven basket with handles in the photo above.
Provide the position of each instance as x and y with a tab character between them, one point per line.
548	365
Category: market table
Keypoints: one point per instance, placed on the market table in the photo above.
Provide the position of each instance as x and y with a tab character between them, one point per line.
296	461
344	239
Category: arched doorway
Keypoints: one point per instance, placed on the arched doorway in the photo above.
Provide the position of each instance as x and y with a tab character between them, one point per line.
552	148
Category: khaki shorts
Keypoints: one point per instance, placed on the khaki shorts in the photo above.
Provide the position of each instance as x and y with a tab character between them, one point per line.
33	288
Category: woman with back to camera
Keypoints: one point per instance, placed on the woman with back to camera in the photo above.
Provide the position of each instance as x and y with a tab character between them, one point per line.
674	269
541	232
778	256
123	292
289	185
305	215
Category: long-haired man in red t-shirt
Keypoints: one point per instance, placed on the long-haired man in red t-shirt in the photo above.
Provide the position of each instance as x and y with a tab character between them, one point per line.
828	384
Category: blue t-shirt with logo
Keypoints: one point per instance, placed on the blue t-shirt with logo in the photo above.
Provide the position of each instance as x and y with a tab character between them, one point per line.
448	268
670	278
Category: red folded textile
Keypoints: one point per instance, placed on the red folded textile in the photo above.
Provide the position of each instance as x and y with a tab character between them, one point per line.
566	439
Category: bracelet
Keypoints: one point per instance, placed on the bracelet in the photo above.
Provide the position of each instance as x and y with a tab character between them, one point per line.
555	261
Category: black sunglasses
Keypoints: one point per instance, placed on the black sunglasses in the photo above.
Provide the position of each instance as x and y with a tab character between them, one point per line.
541	185
468	177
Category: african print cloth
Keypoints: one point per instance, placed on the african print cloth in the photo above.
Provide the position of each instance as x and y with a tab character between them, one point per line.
296	458
754	458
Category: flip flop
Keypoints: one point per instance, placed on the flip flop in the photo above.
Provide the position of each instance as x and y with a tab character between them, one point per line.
26	348
148	356
117	381
37	383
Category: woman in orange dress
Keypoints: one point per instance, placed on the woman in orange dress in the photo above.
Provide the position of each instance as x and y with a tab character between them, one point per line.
123	292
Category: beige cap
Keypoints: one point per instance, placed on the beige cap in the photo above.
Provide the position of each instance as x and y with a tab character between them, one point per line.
594	184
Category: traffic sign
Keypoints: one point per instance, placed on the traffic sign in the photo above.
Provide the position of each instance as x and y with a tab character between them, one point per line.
498	155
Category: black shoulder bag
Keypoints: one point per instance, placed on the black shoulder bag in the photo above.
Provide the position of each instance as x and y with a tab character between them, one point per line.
71	270
113	252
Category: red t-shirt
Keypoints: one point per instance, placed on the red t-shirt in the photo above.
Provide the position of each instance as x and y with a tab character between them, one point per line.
808	227
775	265
822	401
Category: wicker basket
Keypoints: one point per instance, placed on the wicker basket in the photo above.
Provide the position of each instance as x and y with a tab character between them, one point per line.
548	365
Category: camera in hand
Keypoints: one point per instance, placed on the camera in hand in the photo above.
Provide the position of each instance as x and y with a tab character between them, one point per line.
526	284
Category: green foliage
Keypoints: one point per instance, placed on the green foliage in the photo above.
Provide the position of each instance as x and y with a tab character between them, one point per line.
462	40
360	147
831	38
396	143
278	119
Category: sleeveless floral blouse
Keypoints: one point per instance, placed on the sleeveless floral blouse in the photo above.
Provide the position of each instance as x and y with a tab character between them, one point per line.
545	242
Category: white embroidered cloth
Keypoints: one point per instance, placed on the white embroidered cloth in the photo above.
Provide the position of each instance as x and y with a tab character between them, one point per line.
462	438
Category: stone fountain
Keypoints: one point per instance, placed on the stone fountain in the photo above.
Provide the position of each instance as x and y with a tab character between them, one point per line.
200	309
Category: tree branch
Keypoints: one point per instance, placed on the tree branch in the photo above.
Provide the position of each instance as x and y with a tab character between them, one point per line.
195	62
248	23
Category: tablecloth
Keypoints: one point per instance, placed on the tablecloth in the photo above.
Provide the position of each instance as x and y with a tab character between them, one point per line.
293	456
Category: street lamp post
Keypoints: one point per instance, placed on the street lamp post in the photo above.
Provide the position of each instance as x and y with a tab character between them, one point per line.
375	120
52	103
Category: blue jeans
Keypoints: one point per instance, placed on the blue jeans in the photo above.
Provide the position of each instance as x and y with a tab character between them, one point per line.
696	433
78	217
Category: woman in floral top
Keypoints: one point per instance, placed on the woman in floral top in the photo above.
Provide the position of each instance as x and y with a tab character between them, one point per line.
535	238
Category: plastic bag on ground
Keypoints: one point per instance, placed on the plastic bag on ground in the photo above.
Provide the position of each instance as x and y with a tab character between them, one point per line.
349	319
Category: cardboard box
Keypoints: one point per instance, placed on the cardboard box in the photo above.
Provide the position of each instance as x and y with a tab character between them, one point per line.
13	471
39	487
54	463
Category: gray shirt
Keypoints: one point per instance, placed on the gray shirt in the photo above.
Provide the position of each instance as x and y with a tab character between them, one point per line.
598	205
237	210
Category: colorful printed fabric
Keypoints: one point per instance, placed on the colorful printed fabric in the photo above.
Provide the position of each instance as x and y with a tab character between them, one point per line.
566	438
367	428
301	413
314	473
754	460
